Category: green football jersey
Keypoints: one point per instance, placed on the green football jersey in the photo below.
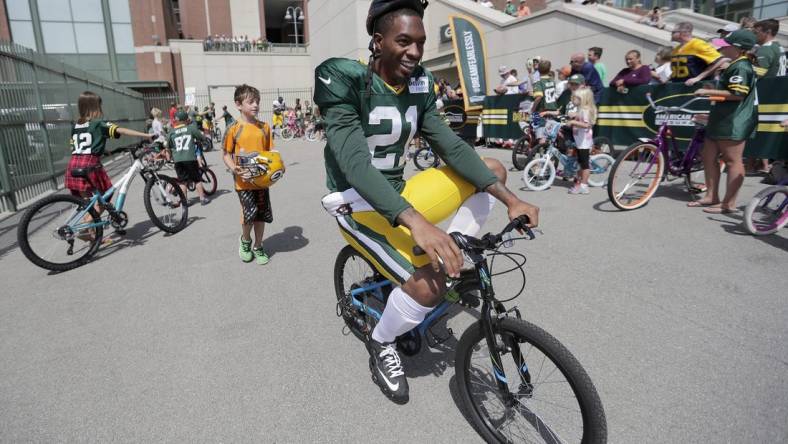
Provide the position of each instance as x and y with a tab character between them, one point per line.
91	137
735	120
182	140
368	133
769	60
545	89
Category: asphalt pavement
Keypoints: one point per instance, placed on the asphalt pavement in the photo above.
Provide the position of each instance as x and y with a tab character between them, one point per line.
679	317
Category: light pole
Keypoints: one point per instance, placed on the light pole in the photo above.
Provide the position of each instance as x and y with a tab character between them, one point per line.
296	15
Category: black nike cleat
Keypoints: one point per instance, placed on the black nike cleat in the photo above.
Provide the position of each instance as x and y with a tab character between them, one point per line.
387	372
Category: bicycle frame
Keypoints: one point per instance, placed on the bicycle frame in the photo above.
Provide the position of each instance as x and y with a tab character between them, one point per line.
376	289
487	320
676	166
105	199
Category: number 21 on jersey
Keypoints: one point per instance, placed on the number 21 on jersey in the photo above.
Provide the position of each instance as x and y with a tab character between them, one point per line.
380	113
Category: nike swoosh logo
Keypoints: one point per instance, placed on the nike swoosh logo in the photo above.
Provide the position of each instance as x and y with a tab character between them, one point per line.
393	387
326	81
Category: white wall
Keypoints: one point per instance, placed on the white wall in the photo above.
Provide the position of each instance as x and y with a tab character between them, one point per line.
337	29
263	71
245	18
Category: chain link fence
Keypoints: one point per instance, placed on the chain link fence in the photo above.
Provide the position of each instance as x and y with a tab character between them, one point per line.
38	107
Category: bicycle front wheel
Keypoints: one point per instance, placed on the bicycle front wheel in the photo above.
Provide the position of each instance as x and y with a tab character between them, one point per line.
166	204
287	134
767	212
54	236
539	174
635	176
600	169
549	396
209	183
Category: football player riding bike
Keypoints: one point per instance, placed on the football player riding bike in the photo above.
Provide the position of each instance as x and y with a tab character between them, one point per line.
371	113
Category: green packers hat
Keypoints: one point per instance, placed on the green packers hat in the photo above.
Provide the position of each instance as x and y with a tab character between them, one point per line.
742	39
577	78
181	116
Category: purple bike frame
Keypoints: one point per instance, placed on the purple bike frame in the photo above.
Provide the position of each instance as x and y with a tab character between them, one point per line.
678	166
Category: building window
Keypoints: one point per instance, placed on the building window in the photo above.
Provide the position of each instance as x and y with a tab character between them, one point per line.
124	39
59	37
20	22
91	38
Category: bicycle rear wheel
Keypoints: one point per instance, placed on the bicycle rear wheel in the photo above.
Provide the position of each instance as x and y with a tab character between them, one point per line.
550	397
209	183
310	135
51	235
600	169
767	212
353	271
165	203
522	152
287	134
635	176
425	158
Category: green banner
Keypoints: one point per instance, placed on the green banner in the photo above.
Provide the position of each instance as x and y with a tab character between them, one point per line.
623	118
501	116
469	54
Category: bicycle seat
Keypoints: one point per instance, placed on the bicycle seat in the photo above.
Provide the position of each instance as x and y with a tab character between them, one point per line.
83	172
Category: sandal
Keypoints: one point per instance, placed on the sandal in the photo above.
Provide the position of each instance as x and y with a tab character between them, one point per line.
718	210
698	204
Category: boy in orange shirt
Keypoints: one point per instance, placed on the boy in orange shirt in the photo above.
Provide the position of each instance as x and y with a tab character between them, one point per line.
244	138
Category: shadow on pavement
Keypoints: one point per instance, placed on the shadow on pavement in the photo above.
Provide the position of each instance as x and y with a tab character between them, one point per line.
136	235
735	225
290	239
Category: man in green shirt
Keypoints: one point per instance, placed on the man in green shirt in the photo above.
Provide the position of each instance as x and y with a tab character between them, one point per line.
182	141
771	58
371	113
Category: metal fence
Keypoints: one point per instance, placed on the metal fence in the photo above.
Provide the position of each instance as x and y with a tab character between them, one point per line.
38	107
222	95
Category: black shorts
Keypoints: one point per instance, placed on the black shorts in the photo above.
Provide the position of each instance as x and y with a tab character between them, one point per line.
582	158
188	171
255	206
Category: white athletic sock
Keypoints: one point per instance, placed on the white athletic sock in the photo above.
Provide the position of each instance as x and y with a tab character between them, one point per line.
401	314
472	214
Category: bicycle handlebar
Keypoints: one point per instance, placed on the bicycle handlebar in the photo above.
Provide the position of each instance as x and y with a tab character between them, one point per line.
682	107
487	242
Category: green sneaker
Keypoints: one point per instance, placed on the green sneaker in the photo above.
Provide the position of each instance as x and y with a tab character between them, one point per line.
260	256
245	250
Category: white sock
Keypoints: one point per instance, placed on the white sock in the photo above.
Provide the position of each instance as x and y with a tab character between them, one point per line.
472	214
401	314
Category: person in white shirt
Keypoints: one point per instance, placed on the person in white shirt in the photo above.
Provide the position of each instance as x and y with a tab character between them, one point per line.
662	72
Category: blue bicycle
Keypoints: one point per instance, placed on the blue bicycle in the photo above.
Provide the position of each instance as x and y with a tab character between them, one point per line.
516	381
62	232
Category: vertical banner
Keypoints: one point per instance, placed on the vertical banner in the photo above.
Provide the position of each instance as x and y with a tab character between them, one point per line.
469	54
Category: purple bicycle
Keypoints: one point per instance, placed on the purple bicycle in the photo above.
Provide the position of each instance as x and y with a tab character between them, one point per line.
767	212
641	167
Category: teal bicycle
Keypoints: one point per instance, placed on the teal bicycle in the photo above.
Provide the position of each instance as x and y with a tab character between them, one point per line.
62	232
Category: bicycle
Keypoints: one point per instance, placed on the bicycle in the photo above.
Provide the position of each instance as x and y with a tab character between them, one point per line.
315	131
641	167
497	397
539	174
291	130
526	148
767	212
64	218
424	158
207	176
